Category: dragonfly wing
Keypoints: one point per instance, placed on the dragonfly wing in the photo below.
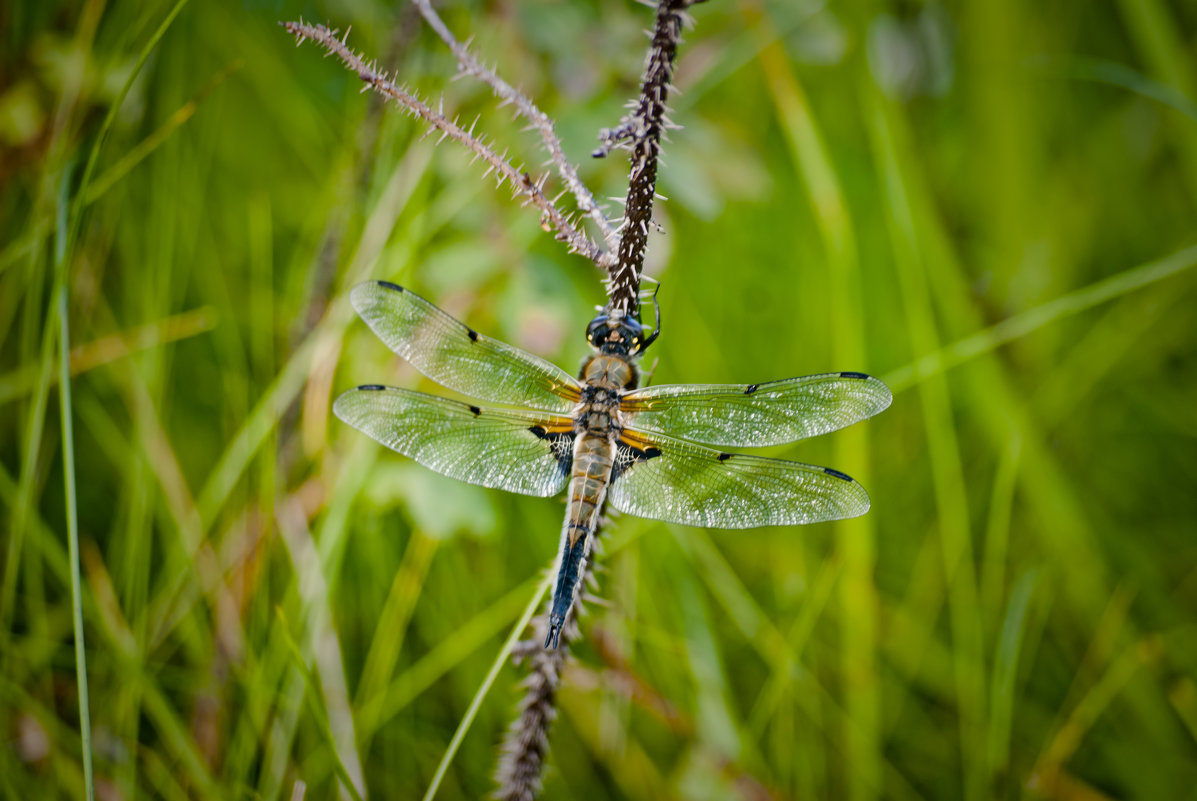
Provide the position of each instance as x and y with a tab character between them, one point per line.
456	356
755	415
678	482
506	449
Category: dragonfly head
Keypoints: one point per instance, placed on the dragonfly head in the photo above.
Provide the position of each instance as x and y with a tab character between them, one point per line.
622	335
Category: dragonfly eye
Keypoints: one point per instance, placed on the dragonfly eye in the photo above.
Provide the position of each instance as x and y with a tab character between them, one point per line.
597	331
633	336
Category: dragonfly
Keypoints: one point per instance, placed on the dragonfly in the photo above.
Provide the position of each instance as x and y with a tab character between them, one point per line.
653	452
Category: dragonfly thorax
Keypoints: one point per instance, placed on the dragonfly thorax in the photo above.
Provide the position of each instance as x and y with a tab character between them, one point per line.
604	375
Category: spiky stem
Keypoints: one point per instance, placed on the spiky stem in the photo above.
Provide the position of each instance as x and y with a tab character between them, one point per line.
526	745
467	64
642	132
532	190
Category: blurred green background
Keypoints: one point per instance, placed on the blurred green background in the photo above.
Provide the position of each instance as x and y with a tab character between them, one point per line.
989	204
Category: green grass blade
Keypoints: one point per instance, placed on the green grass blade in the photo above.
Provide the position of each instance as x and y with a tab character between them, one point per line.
833	219
1005	672
81	197
1114	74
484	688
449	652
1026	323
146	147
68	474
947	469
319	711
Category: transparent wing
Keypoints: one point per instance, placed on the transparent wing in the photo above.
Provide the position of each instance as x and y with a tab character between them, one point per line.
754	415
679	482
501	448
456	356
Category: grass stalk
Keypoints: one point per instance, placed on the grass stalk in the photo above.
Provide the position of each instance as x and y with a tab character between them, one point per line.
68	477
83	195
959	563
476	704
833	221
1025	323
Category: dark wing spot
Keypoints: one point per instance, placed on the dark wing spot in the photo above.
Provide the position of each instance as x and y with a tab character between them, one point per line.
751	388
832	472
475	410
628	456
723	457
472	334
850	374
389	285
371	387
561	444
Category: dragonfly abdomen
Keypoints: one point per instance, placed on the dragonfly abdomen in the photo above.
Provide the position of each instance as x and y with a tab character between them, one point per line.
593	455
596	427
